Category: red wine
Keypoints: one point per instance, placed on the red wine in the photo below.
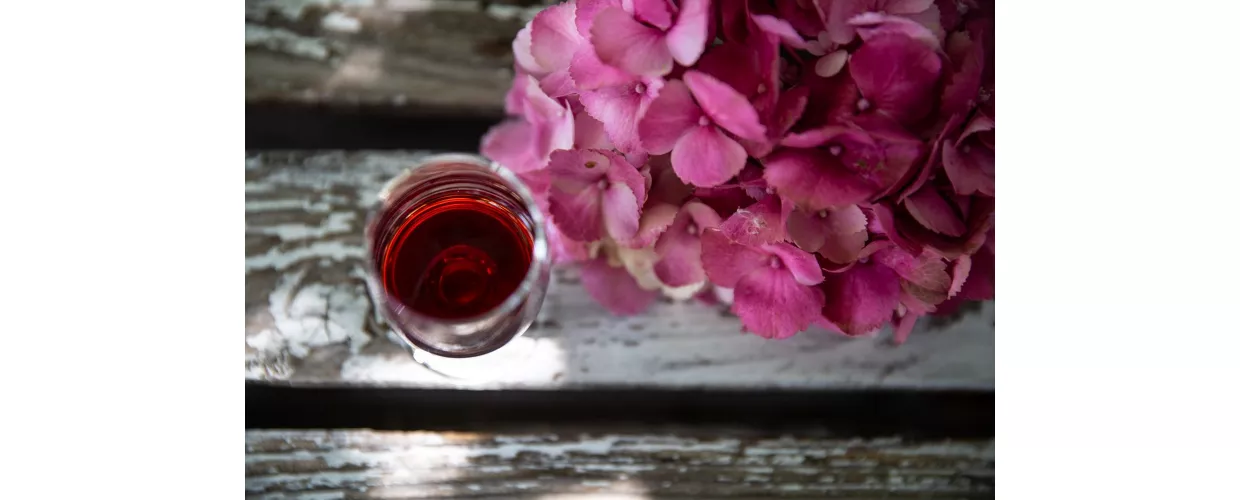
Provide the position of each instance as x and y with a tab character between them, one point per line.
456	257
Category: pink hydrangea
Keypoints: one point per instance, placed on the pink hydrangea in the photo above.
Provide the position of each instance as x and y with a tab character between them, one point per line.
825	164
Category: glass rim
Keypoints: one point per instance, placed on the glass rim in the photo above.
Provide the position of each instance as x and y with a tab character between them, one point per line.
539	260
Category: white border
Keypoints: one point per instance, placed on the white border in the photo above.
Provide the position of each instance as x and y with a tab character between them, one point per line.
122	202
1116	334
122	207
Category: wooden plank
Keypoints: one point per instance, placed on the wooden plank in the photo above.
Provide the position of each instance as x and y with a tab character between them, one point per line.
630	465
309	319
452	55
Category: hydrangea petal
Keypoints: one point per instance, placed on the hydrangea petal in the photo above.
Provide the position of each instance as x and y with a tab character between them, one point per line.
970	167
577	212
578	168
884	218
666	186
726	262
589	73
907	6
814	179
961	90
861	299
619	108
614	287
841	231
772	304
871	25
621	212
563	248
656	13
589	133
979	220
780	28
623	42
806	17
707	157
623	172
669	117
929	208
789	109
853	141
960	273
587	10
725	106
902	326
553	35
734	64
687	39
758	224
557	84
680	247
511	144
830	65
724	200
897	74
521	53
926	270
801	264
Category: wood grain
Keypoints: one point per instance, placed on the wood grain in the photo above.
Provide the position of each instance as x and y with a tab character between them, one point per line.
629	465
309	319
452	55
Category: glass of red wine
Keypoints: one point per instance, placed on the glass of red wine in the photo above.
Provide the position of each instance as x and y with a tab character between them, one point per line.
458	256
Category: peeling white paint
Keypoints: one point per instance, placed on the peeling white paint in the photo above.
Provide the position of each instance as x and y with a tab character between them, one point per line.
336	223
258	206
292	9
276	259
341	23
285	41
313	316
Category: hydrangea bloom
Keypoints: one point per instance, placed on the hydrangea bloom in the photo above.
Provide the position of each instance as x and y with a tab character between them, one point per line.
821	163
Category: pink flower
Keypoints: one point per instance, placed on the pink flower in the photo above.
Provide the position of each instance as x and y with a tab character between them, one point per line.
752	70
840	165
841	31
936	217
866	295
595	194
807	17
619	107
896	75
554	48
969	158
978	282
546	46
689	119
680	247
614	288
648	35
524	144
774	293
967	61
809	162
838	234
760	223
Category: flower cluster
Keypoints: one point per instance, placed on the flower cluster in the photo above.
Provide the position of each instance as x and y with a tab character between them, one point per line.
814	162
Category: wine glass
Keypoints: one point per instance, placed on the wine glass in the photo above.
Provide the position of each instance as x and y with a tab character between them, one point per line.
458	261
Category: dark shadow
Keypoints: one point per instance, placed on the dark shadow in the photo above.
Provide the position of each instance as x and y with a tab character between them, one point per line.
285	125
914	414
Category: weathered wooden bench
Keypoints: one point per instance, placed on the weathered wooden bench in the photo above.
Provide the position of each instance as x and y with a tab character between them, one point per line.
674	403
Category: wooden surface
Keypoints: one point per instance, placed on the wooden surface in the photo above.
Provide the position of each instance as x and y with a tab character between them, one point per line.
423	54
309	319
625	465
